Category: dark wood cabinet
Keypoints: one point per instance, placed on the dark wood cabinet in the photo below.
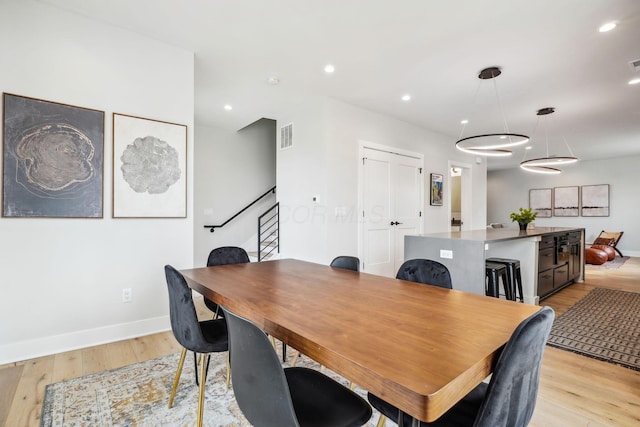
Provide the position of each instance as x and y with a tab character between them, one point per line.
559	262
575	245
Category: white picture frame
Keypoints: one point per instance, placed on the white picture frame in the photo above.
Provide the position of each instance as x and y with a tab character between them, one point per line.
149	168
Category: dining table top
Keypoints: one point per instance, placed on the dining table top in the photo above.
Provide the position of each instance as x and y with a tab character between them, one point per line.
421	348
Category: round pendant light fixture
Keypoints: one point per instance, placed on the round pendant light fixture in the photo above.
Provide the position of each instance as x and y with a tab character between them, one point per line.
548	164
491	144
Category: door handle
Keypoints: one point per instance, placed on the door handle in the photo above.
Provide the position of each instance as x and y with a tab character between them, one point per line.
395	223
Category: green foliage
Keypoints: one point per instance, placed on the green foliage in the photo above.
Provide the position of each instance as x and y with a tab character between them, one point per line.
523	216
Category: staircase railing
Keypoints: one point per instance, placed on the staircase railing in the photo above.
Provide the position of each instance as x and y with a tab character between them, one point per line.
213	227
269	232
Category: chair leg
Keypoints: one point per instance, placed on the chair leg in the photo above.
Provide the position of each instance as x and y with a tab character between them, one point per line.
203	379
228	371
381	421
196	362
176	380
295	359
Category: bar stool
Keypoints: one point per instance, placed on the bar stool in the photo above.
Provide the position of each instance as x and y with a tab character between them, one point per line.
513	276
494	272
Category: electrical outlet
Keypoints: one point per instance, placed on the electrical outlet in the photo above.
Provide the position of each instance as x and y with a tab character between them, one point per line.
127	294
446	254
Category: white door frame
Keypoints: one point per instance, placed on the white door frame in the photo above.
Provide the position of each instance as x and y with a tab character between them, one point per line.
362	145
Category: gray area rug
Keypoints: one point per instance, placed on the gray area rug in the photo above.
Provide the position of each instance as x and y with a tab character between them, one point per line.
605	325
137	395
617	262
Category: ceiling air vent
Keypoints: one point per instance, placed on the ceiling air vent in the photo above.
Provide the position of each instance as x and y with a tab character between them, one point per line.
635	65
286	136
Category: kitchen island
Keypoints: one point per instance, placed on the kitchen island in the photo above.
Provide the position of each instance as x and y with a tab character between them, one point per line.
550	257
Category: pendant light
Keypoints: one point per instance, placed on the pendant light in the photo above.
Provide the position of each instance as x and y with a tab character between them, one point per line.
491	144
548	164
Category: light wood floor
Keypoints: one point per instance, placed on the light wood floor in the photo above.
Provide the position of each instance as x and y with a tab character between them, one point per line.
574	390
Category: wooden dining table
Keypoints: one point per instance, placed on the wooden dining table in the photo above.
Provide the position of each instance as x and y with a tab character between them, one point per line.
421	348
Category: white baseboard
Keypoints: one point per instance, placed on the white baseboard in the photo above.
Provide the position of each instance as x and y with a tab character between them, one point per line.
45	346
631	253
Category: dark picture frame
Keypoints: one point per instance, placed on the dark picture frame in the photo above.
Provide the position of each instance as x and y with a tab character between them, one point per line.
540	201
149	168
437	184
53	159
566	201
595	200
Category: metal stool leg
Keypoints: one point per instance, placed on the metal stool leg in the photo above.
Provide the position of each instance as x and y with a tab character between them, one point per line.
507	283
519	283
492	289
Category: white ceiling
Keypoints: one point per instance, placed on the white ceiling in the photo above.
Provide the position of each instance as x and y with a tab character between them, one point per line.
550	52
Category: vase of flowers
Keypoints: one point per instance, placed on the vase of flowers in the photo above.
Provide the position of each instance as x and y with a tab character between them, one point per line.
523	217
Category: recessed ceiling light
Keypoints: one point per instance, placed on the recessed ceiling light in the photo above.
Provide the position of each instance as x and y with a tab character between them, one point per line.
228	107
634	81
273	80
464	122
406	97
528	148
329	68
607	27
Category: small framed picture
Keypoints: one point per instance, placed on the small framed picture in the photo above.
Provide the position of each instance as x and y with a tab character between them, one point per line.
149	168
436	189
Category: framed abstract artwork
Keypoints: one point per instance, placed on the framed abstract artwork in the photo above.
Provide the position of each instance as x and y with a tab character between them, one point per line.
436	189
595	200
566	201
53	159
149	168
540	201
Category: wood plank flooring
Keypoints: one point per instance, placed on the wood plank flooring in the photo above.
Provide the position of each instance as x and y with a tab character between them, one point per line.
579	391
574	390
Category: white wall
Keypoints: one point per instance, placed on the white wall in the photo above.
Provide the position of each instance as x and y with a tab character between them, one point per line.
324	161
509	189
231	170
301	174
62	279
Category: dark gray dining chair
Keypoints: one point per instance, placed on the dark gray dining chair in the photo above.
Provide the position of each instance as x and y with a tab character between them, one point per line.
347	262
272	396
425	271
222	256
508	400
206	337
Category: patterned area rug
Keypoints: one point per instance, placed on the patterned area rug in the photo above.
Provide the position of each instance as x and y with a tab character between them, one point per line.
617	262
137	395
605	325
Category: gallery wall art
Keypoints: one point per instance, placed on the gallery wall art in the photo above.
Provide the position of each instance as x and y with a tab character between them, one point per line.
566	201
540	201
595	200
53	159
571	201
149	168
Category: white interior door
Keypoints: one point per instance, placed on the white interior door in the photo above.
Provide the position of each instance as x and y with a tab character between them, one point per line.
392	208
